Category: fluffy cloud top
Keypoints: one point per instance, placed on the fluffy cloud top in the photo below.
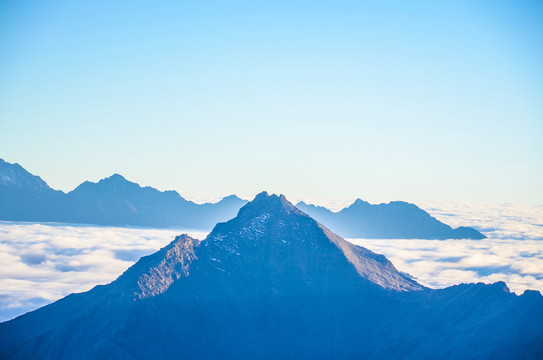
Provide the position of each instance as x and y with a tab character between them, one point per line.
441	263
497	221
512	253
41	263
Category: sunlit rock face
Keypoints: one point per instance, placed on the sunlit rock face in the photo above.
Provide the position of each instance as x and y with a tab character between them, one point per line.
274	283
157	272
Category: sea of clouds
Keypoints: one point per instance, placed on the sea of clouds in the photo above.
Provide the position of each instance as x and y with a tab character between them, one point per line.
441	263
512	253
40	263
497	221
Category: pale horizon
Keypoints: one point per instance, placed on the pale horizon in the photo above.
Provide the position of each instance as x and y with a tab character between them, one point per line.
431	101
334	204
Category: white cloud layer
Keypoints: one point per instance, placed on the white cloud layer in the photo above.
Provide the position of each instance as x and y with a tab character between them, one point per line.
497	221
512	253
40	263
441	263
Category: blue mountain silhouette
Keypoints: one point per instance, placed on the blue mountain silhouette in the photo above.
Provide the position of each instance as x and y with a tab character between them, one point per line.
118	202
395	220
112	201
273	283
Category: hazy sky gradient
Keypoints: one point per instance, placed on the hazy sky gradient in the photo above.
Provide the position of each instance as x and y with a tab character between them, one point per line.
338	99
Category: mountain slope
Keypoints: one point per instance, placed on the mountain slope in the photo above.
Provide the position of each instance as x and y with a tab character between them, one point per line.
273	283
395	220
26	197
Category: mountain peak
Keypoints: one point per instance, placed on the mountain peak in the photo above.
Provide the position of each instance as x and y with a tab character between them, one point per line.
360	202
231	198
153	274
268	203
271	229
115	182
117	177
15	175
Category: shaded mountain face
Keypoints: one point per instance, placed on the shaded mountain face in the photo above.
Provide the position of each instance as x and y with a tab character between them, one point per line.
118	202
25	197
274	283
112	201
395	220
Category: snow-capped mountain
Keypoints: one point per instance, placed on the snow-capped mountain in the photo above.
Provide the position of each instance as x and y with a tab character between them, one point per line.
274	283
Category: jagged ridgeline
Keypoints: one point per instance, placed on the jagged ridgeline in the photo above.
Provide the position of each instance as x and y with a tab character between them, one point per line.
113	201
273	283
118	202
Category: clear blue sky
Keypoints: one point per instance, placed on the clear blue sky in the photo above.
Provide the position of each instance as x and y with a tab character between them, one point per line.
317	100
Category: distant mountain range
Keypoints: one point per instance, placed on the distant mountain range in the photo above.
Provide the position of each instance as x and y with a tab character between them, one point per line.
116	201
112	201
395	220
273	283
